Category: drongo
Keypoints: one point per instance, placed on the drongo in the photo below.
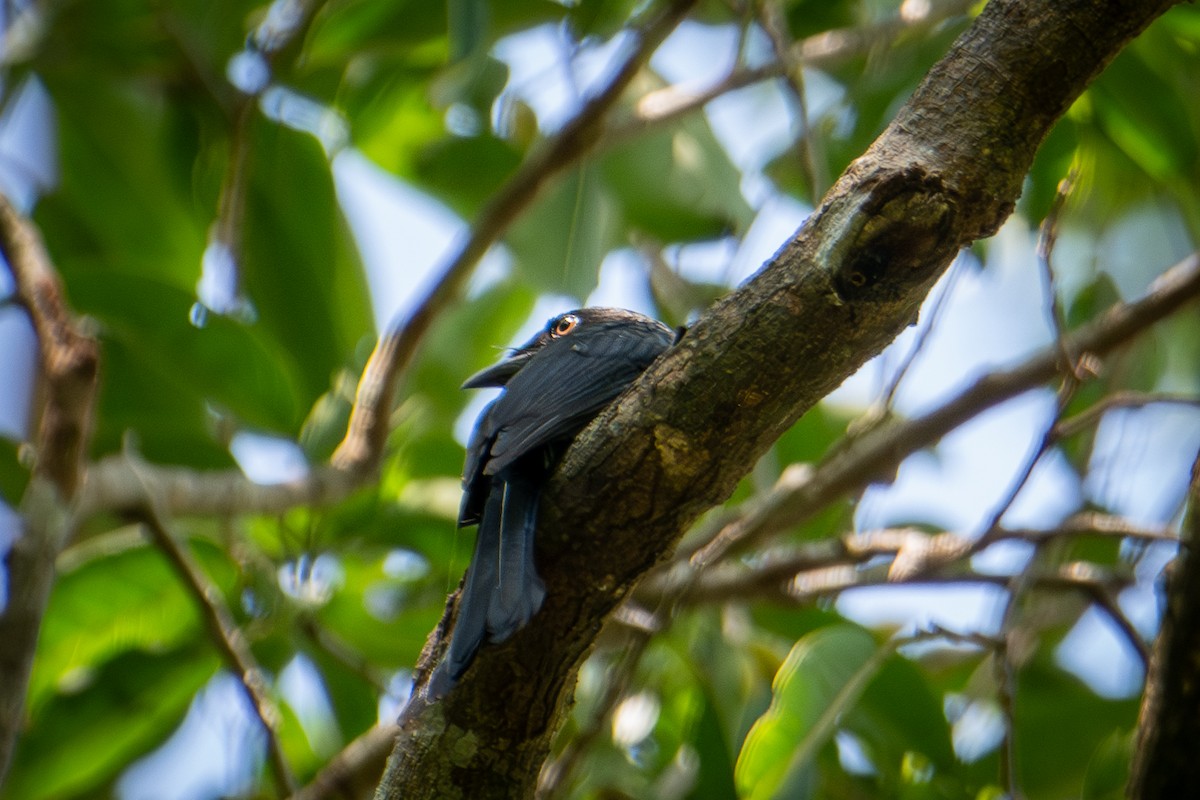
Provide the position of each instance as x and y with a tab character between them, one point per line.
553	385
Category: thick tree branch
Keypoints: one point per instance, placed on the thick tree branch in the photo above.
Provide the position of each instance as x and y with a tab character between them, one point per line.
945	173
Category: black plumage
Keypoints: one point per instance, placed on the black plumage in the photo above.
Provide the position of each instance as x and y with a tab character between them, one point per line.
553	385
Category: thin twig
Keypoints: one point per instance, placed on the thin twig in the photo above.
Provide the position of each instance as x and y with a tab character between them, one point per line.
1006	691
1089	416
943	554
1104	600
1065	393
822	51
1047	236
228	637
775	24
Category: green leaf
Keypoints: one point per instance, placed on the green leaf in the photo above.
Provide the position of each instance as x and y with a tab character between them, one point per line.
239	369
560	242
1108	771
823	677
1060	723
14	474
145	607
300	267
465	171
81	741
468	25
678	184
900	715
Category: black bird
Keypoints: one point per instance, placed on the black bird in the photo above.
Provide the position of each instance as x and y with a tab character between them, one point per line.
554	385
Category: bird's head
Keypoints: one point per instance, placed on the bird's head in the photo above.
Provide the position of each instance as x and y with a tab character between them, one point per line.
573	325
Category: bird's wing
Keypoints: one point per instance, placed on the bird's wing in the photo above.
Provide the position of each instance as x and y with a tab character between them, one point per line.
560	390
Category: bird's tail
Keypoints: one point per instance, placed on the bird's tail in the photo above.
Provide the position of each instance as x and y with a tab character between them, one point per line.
502	590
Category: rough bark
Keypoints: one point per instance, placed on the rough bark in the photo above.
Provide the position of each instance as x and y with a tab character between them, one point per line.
945	173
1165	763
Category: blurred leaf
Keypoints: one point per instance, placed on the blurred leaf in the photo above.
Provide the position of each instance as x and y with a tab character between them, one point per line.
467	23
677	184
560	242
1108	770
236	368
114	144
715	778
144	607
1059	724
899	715
301	269
1141	113
384	619
824	677
1099	295
465	171
168	424
808	17
81	741
14	475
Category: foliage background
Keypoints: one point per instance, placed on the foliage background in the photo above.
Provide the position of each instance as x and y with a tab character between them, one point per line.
124	133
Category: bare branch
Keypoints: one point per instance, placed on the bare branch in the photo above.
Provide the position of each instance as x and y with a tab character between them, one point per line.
928	322
775	24
1065	393
825	50
1047	237
1092	414
938	554
230	641
121	482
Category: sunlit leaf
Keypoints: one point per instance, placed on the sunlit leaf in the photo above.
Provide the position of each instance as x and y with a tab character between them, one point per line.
80	741
823	677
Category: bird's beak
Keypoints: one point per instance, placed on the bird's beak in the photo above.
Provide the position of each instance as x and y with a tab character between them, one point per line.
499	374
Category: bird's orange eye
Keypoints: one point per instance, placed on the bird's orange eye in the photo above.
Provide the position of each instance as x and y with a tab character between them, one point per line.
563	325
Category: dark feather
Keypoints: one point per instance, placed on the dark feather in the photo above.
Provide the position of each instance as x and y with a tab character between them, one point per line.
553	386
